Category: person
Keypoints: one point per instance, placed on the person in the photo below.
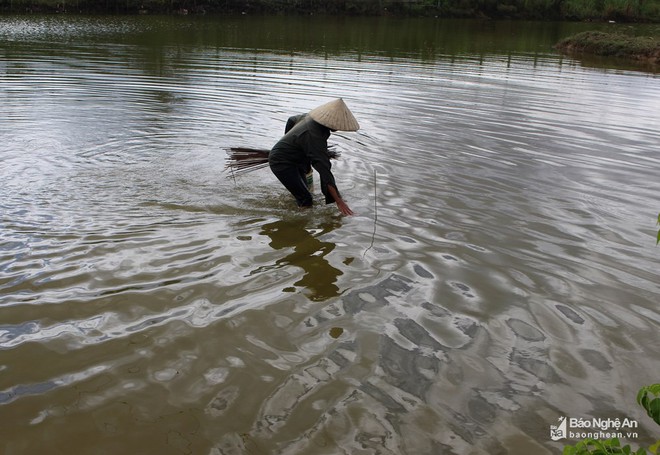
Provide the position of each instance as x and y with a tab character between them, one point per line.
305	145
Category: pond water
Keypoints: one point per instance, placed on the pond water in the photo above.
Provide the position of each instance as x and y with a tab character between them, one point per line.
501	271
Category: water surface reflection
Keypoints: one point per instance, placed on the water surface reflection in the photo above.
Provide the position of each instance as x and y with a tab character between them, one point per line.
309	253
500	272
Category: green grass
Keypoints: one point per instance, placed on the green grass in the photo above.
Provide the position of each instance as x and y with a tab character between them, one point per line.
613	45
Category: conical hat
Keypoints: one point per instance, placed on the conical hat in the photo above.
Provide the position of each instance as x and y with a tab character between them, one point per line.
335	115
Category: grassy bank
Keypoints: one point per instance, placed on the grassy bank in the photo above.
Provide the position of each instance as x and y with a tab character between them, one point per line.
619	10
644	49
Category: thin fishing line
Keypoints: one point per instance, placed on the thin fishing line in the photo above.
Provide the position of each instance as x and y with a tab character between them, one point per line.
373	235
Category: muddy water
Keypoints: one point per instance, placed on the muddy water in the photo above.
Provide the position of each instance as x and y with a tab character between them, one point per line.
501	271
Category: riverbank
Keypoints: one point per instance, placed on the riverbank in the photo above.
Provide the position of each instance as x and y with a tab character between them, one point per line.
576	10
639	48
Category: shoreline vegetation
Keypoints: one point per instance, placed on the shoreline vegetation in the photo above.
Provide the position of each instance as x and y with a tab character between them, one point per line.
642	49
573	10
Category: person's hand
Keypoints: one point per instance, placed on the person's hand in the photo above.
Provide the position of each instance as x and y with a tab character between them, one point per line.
344	208
341	205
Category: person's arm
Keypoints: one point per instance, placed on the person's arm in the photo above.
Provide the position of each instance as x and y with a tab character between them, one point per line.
341	205
316	147
315	144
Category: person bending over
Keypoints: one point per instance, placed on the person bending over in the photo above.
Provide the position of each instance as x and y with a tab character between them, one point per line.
305	145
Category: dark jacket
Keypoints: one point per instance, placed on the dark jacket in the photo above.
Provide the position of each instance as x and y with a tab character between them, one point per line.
305	143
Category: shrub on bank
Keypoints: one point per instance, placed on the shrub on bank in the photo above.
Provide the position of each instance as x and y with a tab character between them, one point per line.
620	10
617	10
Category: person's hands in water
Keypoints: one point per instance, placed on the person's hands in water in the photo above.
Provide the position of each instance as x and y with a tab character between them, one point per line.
344	208
341	204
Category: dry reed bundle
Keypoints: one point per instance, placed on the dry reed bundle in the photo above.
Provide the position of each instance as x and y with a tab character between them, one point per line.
241	160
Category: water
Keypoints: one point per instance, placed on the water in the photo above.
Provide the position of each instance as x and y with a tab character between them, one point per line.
501	271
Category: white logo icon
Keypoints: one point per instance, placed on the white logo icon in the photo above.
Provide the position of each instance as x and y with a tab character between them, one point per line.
558	431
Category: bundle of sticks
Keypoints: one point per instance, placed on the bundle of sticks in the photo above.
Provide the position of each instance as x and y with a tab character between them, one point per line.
241	160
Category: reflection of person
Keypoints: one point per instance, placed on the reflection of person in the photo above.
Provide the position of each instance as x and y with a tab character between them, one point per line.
308	253
305	144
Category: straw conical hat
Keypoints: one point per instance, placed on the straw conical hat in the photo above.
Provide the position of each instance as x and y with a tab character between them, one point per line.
335	115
